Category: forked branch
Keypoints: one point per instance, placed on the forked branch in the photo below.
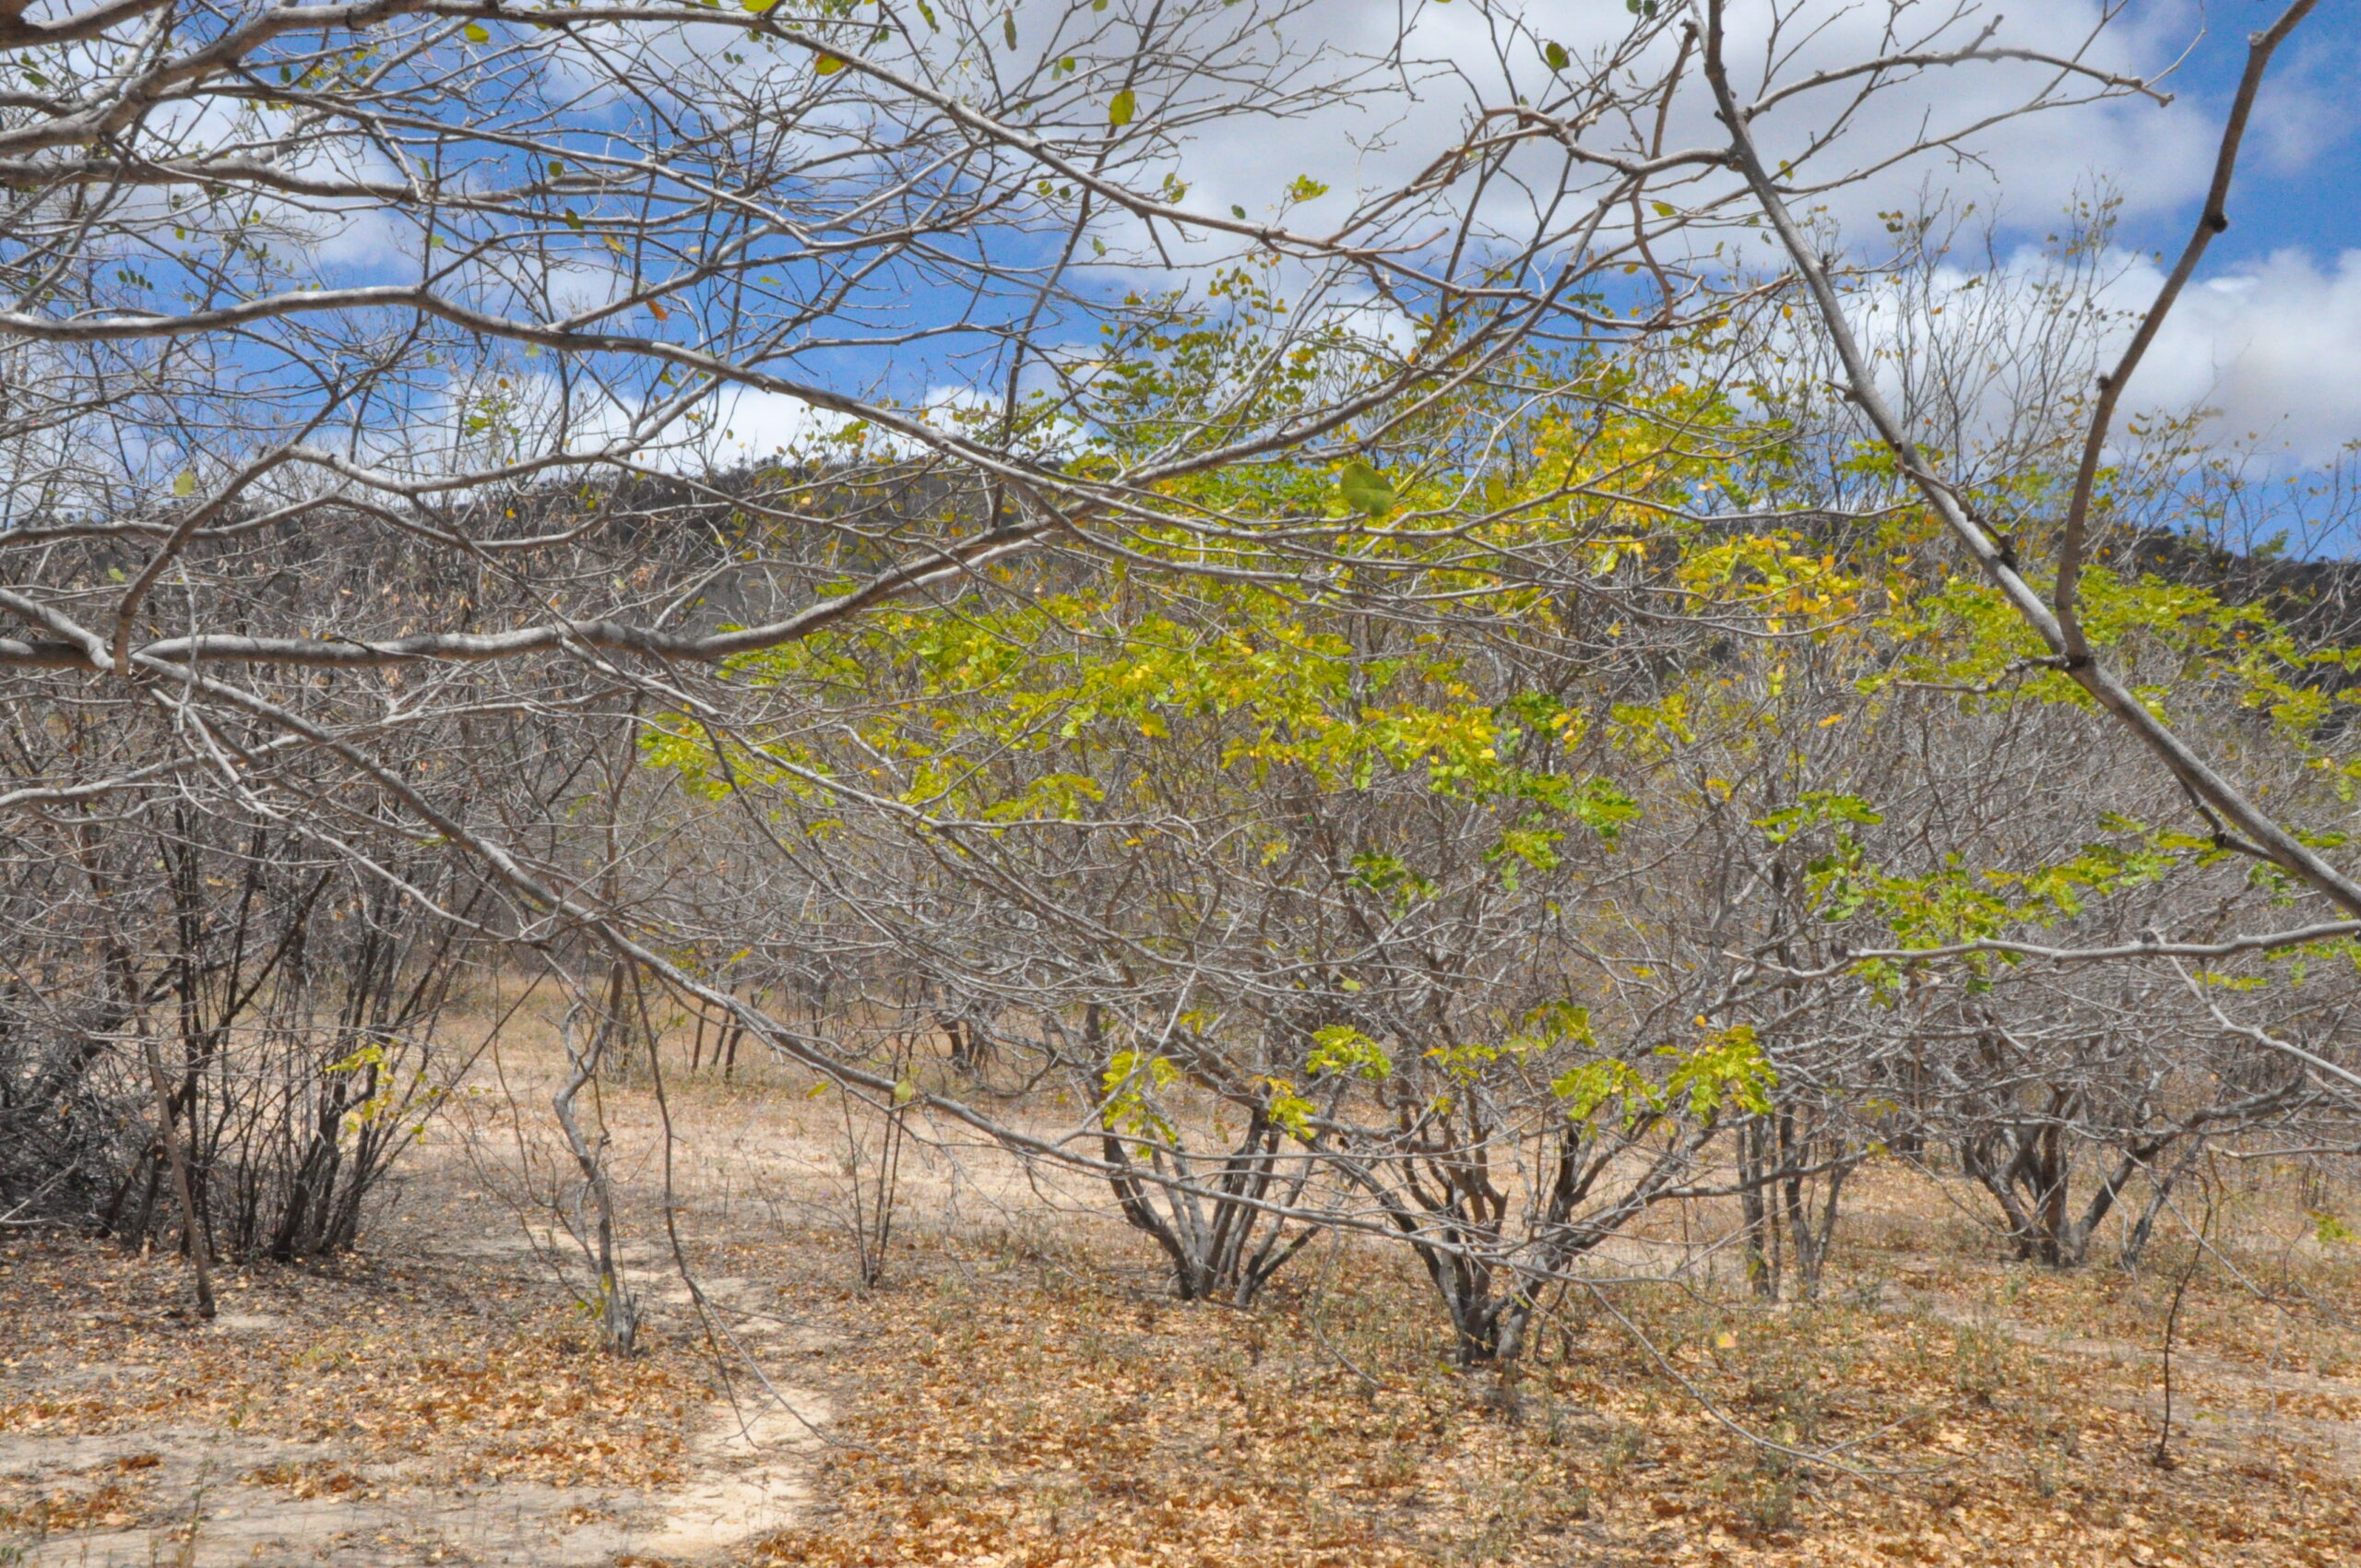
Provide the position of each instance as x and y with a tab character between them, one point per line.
1997	559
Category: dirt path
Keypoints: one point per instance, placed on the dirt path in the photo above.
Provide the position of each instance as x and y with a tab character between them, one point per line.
110	1486
747	1480
88	1479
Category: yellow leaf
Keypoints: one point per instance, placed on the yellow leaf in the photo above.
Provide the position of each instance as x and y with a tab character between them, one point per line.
1125	105
185	484
476	32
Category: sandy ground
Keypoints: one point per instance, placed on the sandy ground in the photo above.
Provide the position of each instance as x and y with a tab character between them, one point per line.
209	1495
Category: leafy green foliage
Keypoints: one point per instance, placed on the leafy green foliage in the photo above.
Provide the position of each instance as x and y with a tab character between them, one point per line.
1365	489
1725	1070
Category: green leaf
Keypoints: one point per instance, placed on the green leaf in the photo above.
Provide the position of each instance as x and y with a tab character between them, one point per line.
1555	57
1008	29
827	64
1365	489
905	1092
1603	807
476	32
1726	1068
185	484
1238	212
1288	1108
1125	105
758	8
1340	1048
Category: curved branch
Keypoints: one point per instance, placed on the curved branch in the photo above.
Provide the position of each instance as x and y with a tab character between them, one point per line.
1997	561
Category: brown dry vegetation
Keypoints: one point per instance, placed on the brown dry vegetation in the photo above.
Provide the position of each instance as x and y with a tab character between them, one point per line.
1033	1408
466	1376
1022	1390
368	1383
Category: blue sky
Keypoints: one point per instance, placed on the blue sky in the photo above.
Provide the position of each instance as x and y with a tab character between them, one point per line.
2272	337
2300	184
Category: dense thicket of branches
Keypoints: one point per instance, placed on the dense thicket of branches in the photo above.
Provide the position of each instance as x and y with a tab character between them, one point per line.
1415	712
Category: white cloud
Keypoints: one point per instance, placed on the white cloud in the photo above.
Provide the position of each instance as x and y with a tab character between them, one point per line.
740	426
2275	349
747	426
1459	60
1999	361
